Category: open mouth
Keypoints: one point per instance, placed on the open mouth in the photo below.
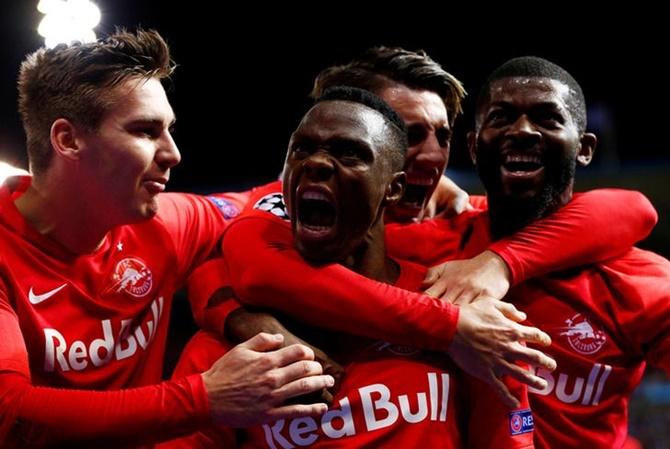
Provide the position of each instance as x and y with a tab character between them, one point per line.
316	214
522	165
415	195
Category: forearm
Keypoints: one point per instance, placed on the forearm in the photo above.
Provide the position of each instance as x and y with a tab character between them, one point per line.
594	226
267	275
138	415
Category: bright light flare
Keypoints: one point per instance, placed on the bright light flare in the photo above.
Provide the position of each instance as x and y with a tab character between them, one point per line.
67	21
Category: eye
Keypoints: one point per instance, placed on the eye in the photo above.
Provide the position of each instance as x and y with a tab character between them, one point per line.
348	152
550	119
443	136
416	134
497	117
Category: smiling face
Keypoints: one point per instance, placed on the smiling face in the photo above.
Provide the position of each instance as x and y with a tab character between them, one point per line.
527	144
336	178
429	136
126	161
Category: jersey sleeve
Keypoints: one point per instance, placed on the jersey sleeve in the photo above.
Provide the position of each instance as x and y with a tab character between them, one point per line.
199	354
13	352
641	280
594	226
265	270
195	226
211	295
42	415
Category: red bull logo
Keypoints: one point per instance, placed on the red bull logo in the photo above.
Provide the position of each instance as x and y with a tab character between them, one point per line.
583	336
132	276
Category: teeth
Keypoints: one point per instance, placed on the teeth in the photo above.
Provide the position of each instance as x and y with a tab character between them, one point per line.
420	181
527	158
312	195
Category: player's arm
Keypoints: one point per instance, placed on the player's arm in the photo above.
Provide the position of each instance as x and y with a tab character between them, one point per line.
592	227
266	271
227	394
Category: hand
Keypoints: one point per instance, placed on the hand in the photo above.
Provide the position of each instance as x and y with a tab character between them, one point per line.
488	341
250	384
448	200
485	276
242	324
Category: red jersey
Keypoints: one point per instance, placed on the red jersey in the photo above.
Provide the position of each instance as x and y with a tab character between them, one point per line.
351	303
390	396
606	321
97	321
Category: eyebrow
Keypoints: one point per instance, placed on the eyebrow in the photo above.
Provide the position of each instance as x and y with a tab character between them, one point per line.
152	121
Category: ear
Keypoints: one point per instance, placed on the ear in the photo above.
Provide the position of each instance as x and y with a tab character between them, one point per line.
66	139
395	189
472	146
587	145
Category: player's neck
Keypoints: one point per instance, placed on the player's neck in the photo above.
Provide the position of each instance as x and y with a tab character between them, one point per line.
57	211
370	259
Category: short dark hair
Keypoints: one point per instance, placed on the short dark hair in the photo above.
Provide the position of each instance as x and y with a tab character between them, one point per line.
532	66
76	82
397	139
381	67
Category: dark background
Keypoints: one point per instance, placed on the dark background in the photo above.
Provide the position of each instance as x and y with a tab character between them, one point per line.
245	71
243	79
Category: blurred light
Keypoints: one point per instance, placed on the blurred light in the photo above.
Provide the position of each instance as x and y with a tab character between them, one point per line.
67	21
7	171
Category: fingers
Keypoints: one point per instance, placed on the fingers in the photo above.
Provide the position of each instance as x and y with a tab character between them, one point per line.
524	376
297	411
512	312
304	385
533	335
263	342
296	370
432	275
532	357
290	354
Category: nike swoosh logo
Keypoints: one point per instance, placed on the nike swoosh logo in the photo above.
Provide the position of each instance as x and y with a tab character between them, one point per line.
36	299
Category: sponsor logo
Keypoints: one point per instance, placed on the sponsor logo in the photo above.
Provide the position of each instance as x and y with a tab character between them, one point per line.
273	203
132	276
379	409
582	335
573	389
115	344
520	422
34	298
227	208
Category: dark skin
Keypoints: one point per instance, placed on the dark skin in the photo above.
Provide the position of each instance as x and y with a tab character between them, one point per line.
526	147
338	179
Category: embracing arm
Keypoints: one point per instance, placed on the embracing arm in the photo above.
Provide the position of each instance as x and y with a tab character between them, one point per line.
594	226
590	228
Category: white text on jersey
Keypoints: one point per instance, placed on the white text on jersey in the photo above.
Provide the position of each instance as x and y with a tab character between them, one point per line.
380	410
101	350
588	393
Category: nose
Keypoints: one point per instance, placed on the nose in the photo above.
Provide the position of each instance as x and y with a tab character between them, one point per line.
523	129
318	166
431	152
167	155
